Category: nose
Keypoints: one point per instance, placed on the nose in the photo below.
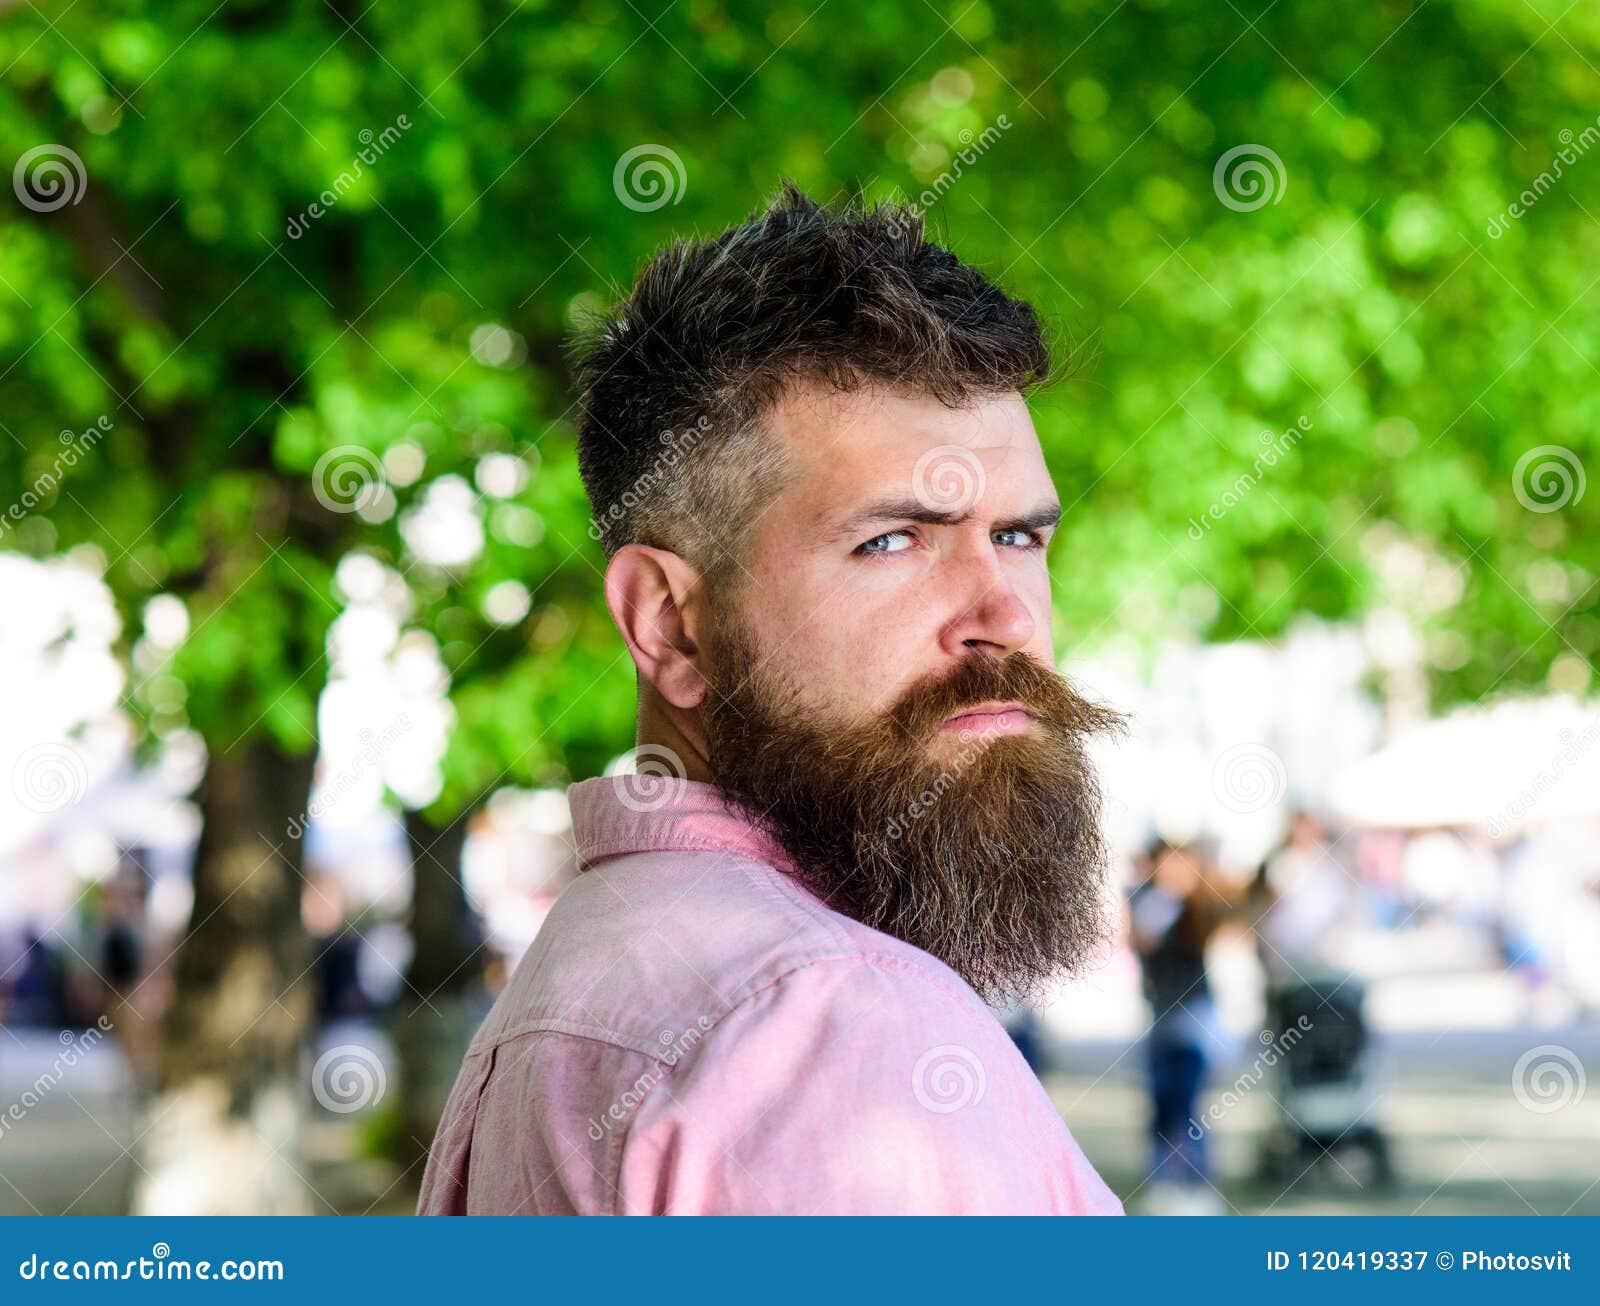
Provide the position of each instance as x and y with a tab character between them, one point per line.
989	615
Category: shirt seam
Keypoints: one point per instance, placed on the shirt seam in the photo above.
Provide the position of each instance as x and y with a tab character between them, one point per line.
779	885
651	1051
573	1029
782	886
603	851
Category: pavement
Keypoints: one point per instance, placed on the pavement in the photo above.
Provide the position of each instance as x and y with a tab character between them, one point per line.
1479	1121
1485	1112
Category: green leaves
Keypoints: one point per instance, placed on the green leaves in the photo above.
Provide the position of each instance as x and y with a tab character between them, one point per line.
235	338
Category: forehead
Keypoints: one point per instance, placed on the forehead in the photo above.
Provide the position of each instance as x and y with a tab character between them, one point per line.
846	450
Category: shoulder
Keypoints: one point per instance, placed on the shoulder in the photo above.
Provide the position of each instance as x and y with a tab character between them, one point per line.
887	1028
668	941
883	1017
856	1083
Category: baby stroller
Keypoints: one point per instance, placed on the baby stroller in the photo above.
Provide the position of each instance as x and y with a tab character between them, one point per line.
1325	1085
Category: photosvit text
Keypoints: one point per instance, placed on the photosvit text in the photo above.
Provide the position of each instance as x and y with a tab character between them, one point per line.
1405	1261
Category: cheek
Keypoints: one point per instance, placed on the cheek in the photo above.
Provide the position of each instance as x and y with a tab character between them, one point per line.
878	636
850	639
860	672
1037	595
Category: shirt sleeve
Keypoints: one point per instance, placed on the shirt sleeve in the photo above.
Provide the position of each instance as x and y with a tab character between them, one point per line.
850	1087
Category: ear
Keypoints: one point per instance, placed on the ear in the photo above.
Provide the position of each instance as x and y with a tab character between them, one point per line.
652	597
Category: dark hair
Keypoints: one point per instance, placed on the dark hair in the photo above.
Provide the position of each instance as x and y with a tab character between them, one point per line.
675	381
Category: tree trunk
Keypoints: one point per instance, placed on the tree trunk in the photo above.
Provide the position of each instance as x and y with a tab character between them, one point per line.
223	1132
434	1020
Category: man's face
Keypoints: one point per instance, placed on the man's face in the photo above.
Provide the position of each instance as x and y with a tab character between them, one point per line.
882	695
910	535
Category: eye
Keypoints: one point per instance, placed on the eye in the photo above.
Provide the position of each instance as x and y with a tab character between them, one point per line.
1018	539
889	542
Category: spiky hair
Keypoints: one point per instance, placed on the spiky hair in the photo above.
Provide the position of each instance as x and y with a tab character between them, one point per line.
675	381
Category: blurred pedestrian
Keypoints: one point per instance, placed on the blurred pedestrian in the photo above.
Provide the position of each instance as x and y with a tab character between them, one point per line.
1325	1091
1308	898
1172	917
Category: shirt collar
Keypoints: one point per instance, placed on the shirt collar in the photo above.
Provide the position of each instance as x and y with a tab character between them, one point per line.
618	814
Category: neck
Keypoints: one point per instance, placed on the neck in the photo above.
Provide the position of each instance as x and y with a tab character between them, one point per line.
665	727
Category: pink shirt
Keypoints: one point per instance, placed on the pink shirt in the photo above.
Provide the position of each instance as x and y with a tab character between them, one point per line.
693	1032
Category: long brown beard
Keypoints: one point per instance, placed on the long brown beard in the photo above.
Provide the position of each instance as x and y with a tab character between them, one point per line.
990	856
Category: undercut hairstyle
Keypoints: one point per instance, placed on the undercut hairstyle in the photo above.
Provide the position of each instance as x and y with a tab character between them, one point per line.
676	381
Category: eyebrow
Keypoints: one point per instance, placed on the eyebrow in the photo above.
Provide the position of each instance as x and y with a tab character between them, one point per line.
1046	515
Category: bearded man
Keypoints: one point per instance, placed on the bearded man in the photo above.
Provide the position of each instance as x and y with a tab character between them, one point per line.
860	807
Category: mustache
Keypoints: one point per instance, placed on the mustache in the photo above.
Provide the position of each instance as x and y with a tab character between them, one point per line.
1015	677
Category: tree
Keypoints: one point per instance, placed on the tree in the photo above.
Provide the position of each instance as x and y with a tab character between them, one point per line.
313	262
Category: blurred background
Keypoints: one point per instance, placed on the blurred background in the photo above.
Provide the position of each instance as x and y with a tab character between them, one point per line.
301	636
